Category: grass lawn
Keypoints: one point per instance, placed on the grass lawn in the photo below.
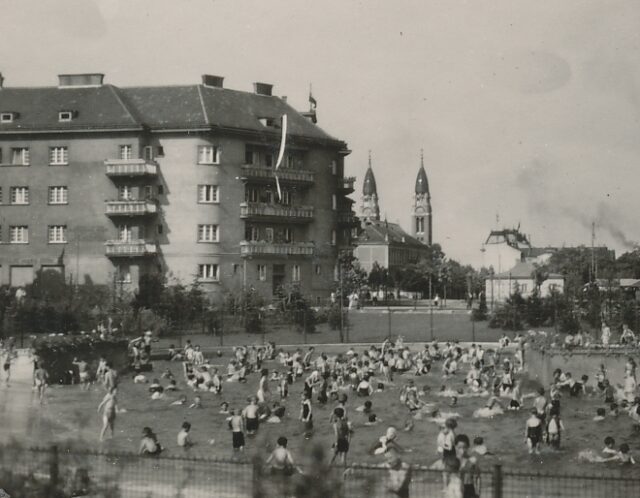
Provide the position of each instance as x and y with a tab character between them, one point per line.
363	326
71	414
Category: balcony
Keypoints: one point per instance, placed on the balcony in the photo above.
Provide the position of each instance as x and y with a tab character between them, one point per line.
347	218
347	184
276	212
130	248
251	248
131	208
131	167
285	175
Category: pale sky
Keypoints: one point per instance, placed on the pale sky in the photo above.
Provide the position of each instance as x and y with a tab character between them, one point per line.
526	109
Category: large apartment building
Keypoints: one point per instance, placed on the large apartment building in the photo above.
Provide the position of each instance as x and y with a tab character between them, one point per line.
107	183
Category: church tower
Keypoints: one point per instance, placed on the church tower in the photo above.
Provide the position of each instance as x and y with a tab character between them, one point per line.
421	226
369	208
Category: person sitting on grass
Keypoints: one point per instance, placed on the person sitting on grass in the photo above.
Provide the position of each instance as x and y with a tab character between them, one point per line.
609	447
156	390
149	445
184	439
600	415
172	385
280	461
197	403
180	401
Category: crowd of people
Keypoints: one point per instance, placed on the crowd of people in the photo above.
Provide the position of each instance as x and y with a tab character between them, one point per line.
349	383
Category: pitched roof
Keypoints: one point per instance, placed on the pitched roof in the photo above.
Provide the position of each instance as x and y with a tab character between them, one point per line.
369	185
381	232
523	269
154	107
94	107
422	184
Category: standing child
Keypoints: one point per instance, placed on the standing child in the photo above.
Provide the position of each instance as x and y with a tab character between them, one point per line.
250	415
110	405
236	425
555	429
342	434
306	415
533	432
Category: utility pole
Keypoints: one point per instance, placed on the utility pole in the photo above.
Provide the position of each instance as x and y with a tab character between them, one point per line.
340	301
593	271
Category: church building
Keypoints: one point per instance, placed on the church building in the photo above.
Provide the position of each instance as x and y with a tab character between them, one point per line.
387	243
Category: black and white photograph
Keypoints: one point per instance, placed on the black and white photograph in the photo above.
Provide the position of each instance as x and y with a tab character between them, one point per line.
319	249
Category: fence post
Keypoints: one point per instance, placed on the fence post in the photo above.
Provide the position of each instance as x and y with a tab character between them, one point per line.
54	470
497	481
256	490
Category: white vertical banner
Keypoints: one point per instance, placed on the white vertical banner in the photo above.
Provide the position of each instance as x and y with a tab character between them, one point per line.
283	142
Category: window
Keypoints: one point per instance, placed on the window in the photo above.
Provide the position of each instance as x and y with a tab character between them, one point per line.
262	272
420	224
334	167
266	196
334	202
208	272
126	151
148	191
295	273
125	233
160	151
125	193
160	229
0	195
288	235
252	195
250	156
235	268
123	274
268	160
65	116
269	234
286	197
334	238
208	154
19	234
57	234
207	194
160	189
290	162
20	195
252	233
318	269
6	117
58	156
58	195
20	156
207	233
148	153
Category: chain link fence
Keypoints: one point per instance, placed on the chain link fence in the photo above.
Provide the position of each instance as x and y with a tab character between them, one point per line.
45	472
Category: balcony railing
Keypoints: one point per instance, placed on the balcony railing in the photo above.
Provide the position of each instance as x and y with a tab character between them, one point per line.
251	248
284	174
130	208
262	210
130	248
130	167
347	183
347	218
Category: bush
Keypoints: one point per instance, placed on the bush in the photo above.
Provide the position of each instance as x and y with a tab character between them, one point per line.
57	353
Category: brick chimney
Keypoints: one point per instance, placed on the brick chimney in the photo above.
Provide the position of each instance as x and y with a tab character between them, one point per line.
212	80
263	88
75	80
1	80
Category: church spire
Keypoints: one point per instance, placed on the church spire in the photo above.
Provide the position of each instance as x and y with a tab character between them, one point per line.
370	209
422	216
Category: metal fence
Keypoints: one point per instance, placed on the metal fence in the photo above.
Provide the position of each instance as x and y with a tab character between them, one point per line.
46	472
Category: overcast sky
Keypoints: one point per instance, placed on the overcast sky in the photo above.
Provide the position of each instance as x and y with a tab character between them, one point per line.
525	109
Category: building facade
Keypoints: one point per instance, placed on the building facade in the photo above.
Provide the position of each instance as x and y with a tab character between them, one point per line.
106	184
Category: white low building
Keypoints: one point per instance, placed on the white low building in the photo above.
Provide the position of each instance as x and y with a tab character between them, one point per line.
520	279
